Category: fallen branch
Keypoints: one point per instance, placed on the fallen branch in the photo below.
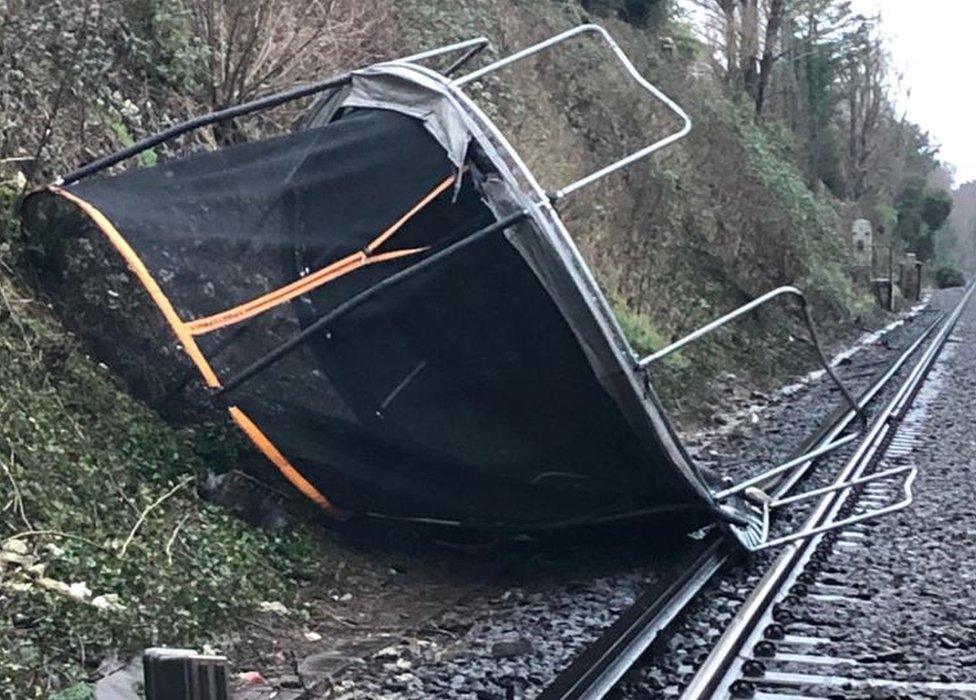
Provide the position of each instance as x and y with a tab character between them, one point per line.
145	512
17	500
172	539
51	533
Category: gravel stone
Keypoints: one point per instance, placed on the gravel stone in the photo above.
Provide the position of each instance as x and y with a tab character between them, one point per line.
520	635
516	647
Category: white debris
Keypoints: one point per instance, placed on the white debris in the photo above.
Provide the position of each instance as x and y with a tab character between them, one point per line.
15	546
16	559
79	591
272	606
108	602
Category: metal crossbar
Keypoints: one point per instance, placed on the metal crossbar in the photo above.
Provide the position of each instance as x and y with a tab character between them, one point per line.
629	69
828	368
786	466
719	322
846	522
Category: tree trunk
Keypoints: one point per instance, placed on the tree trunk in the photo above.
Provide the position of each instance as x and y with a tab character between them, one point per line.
773	24
731	38
749	46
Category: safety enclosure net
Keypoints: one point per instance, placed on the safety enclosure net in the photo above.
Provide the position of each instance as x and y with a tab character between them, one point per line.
437	376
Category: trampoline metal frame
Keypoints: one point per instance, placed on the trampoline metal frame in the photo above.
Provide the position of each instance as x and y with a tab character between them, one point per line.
544	208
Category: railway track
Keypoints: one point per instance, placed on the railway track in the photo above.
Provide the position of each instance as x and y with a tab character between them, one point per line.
737	665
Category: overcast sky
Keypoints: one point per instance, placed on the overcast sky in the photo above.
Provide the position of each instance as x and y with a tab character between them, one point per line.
933	47
933	44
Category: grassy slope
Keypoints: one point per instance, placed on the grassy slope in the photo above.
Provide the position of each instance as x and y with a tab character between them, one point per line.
80	459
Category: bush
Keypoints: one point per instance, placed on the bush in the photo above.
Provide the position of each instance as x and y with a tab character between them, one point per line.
948	276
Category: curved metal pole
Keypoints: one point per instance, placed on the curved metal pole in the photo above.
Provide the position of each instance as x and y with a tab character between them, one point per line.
752	305
719	322
629	69
473	45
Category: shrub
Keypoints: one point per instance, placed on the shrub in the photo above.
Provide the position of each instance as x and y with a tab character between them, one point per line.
948	276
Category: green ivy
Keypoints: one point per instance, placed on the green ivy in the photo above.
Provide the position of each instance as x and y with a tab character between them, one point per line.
145	159
87	460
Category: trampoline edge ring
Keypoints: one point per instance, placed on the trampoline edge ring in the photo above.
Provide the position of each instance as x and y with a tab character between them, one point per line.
192	350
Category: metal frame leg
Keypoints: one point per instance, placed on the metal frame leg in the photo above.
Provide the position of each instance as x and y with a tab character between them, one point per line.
808	320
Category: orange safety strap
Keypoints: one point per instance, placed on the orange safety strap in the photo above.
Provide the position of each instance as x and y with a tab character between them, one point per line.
141	272
183	335
297	288
280	461
431	196
328	273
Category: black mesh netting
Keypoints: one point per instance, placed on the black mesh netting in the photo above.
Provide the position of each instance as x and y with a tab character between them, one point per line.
460	394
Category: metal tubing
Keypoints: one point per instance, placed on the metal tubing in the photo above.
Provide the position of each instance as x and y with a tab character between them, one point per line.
271	357
752	305
783	487
786	466
719	322
471	53
853	520
614	650
628	68
838	487
736	636
262	103
869	446
476	44
790	481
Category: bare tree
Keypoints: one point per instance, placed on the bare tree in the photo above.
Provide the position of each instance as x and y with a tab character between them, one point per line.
774	22
255	45
863	76
750	32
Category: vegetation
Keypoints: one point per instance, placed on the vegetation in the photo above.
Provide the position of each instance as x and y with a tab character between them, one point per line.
948	276
105	544
956	241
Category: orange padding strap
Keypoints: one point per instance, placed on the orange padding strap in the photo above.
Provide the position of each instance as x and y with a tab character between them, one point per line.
191	348
328	273
140	270
290	291
280	461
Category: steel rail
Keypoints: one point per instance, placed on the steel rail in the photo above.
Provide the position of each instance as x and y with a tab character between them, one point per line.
724	659
602	664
